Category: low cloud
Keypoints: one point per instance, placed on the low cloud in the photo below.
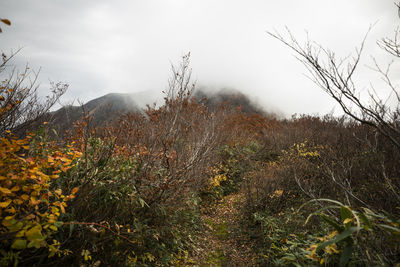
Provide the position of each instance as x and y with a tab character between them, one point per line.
100	47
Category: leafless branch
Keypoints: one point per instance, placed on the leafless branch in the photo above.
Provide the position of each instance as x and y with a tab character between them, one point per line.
335	76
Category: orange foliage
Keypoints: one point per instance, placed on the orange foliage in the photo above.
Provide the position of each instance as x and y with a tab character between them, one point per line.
29	207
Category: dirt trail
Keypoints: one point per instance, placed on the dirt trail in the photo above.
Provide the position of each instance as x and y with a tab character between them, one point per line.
222	243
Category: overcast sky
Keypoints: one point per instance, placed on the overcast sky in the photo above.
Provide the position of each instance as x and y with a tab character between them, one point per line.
102	46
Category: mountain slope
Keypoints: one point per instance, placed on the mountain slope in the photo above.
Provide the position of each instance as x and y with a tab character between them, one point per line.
109	107
102	109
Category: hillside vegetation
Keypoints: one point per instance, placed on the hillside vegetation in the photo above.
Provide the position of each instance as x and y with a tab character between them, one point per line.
190	184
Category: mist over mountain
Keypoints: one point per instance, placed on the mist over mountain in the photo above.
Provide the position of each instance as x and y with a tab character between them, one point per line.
102	109
233	98
109	107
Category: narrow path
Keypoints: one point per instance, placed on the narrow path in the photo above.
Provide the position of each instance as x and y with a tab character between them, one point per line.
222	243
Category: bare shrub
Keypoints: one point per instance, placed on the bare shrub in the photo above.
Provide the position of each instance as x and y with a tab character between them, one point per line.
21	108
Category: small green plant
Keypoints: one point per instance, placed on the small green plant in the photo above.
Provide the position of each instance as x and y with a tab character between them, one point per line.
283	244
216	258
348	229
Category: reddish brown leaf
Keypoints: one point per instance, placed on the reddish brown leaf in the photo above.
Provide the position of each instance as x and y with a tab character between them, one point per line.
6	21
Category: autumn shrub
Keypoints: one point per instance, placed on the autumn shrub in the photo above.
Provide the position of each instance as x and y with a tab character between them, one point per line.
139	180
328	159
282	239
112	219
226	176
31	207
331	158
359	238
358	164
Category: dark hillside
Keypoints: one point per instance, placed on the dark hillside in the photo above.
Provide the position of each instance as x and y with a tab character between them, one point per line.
109	107
232	98
103	109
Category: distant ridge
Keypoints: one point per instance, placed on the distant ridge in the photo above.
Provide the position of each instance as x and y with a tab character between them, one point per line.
232	98
109	107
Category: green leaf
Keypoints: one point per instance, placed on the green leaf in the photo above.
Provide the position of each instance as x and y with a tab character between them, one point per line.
289	258
326	200
365	220
346	255
331	222
343	235
19	244
71	229
35	243
58	223
345	213
16	226
142	202
35	233
392	229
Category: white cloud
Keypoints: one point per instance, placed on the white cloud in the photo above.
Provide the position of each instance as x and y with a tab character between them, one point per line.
127	46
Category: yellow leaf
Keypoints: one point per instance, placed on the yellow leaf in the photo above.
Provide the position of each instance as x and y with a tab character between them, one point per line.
58	191
34	201
30	216
20	233
26	188
8	221
5	190
15	188
62	208
11	210
18	201
19	244
347	220
74	190
35	233
25	197
5	203
35	243
64	159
